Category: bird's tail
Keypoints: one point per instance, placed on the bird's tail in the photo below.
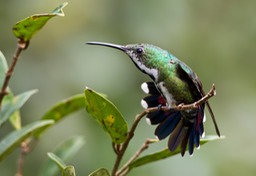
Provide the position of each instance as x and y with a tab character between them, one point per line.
187	132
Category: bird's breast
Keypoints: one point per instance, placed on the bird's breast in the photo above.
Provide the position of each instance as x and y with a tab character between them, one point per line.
175	91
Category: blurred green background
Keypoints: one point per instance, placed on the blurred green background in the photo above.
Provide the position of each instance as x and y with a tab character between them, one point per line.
216	39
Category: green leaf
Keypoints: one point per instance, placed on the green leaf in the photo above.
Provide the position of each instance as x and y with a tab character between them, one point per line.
15	104
14	139
66	170
64	108
70	147
165	153
3	68
69	171
107	115
59	162
15	118
3	71
100	172
65	151
26	28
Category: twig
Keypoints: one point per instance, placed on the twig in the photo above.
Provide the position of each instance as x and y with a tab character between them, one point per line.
120	150
20	46
124	146
125	169
116	147
25	149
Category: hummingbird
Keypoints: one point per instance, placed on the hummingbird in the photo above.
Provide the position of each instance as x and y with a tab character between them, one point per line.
173	83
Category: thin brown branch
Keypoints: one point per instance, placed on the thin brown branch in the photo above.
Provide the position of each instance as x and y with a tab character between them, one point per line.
25	149
124	146
121	149
116	148
21	46
125	169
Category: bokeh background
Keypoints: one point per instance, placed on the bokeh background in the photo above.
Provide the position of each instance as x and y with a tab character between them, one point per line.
216	39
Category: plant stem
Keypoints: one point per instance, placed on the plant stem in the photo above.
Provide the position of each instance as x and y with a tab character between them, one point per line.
125	169
25	149
20	46
124	146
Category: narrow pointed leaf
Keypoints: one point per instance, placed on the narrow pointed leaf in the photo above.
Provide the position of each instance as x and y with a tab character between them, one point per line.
59	10
69	171
14	139
26	28
15	118
3	71
106	114
15	104
64	152
64	108
59	162
65	170
100	172
165	153
3	68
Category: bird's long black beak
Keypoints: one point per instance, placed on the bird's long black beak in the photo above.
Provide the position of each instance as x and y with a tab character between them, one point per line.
120	47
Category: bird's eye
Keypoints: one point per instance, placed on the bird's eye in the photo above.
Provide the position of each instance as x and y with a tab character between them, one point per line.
139	50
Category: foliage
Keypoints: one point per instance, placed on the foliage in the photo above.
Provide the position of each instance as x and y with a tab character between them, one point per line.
108	116
97	105
26	28
62	153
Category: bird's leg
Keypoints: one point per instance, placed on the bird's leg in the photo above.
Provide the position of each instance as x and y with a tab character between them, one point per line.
159	107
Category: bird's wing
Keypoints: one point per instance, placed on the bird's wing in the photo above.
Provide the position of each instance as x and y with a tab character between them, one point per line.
186	73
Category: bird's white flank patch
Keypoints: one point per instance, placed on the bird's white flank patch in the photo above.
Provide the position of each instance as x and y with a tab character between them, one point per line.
148	121
167	95
144	104
204	118
203	135
144	87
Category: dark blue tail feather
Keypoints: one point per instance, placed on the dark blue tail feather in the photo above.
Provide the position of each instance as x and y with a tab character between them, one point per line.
177	136
167	126
157	117
191	140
